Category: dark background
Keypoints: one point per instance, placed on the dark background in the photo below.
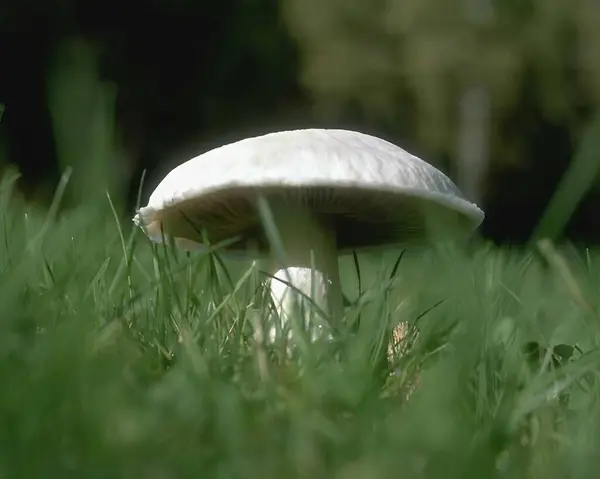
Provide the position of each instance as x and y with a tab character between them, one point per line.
188	76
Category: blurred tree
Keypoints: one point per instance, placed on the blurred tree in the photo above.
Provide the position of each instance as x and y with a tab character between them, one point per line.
466	63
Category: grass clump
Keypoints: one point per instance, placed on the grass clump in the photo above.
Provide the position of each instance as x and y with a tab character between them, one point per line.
123	359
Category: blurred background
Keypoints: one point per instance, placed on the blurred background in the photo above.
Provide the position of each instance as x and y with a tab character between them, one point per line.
501	95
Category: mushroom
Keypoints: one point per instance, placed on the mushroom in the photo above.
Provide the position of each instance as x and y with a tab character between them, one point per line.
326	191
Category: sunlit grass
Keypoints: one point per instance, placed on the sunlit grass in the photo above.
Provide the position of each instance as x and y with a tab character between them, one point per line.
126	359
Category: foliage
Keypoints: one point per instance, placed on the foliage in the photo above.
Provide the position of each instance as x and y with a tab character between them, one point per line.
121	359
371	52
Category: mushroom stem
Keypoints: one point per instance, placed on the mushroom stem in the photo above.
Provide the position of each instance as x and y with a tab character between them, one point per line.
310	264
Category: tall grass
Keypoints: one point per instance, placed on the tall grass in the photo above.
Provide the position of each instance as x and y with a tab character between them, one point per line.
126	359
119	358
582	175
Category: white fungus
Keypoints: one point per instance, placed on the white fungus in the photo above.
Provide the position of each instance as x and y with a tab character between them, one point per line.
328	191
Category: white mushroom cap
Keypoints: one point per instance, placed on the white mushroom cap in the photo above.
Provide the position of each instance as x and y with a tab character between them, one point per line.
373	192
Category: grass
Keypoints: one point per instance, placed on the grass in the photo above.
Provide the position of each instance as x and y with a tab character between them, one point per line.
123	359
119	358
